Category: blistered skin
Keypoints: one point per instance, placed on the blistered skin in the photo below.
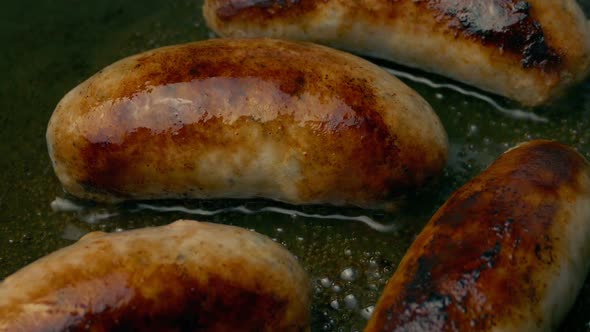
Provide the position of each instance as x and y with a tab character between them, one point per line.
187	276
529	51
508	251
287	121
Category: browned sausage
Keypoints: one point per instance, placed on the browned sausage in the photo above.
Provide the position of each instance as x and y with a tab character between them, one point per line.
526	50
294	122
508	251
187	276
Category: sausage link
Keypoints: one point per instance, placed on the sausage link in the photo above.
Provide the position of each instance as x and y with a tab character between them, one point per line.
187	276
508	251
288	121
529	51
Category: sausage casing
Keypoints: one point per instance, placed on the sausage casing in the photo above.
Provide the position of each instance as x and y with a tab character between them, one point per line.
187	276
526	50
508	251
289	121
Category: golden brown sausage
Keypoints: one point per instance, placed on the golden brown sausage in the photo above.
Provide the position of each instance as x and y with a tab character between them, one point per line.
508	251
526	50
294	122
187	276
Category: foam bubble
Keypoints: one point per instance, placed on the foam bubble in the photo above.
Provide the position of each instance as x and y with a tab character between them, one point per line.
367	312
325	282
350	301
348	274
335	305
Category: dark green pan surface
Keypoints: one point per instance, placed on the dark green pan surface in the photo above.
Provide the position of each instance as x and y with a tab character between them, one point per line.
51	46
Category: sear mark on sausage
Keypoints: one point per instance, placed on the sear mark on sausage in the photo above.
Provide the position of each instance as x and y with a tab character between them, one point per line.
492	231
505	24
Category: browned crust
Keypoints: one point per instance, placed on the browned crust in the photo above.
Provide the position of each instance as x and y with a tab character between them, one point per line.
370	164
516	32
115	152
111	166
485	247
126	282
177	302
227	9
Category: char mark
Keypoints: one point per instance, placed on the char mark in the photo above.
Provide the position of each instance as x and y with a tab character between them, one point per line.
189	306
263	8
504	24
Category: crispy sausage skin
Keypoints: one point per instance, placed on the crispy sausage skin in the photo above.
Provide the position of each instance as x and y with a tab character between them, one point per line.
507	252
525	50
289	121
187	276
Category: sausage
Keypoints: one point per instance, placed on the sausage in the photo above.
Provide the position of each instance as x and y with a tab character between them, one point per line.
288	121
186	276
508	251
529	51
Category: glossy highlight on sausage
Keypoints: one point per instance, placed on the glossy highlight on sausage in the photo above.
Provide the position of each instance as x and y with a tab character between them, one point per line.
186	276
529	51
508	251
294	122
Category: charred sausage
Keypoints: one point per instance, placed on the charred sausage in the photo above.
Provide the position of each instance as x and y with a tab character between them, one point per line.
508	251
